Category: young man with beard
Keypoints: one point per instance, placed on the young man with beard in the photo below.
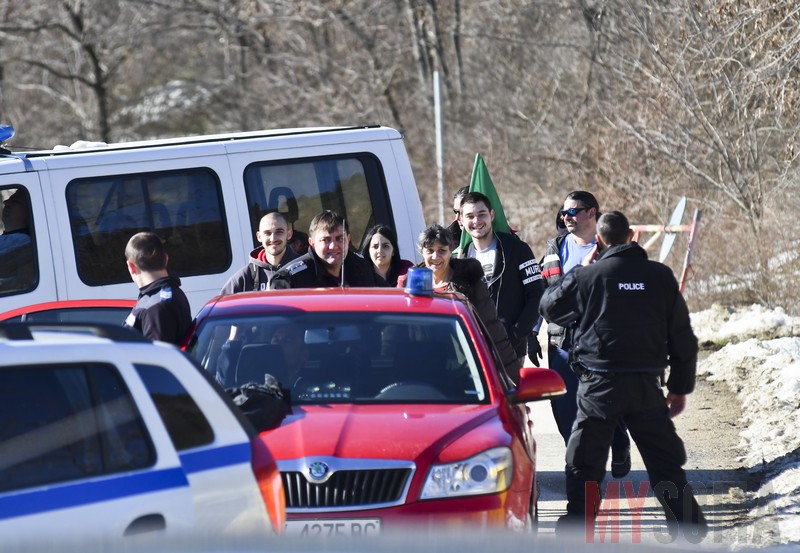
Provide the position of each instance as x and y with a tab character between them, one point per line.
274	234
510	270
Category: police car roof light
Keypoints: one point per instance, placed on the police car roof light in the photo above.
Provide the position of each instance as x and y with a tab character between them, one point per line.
419	282
6	132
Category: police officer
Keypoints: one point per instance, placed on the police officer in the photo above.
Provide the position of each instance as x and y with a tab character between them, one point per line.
162	311
631	323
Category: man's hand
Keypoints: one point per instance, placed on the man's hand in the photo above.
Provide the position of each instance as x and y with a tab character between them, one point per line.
676	403
591	257
534	349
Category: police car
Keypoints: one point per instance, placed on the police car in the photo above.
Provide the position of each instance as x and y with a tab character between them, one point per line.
106	436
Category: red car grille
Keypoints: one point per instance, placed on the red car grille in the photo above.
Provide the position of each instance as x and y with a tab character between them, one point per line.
346	488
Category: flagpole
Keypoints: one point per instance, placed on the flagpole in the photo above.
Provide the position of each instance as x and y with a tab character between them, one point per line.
437	114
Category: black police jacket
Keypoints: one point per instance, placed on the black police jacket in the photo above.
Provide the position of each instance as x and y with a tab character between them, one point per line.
308	271
628	315
162	311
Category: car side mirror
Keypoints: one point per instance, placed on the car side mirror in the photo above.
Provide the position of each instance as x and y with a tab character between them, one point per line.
536	384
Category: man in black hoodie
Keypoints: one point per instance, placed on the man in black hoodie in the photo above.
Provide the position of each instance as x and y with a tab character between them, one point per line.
162	311
632	322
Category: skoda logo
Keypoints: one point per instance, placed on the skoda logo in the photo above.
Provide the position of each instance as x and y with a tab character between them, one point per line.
318	471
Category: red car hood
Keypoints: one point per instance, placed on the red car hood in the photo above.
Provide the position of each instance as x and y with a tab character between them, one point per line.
373	431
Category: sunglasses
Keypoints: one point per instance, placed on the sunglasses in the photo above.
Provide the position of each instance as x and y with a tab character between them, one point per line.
573	211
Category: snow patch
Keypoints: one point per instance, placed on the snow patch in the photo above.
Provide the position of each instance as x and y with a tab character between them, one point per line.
759	359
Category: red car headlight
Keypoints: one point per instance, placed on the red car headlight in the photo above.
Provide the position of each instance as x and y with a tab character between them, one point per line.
488	472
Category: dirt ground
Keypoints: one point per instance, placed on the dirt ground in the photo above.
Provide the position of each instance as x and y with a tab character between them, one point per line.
710	428
710	431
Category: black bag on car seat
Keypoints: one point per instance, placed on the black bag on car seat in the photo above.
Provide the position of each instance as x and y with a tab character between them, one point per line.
265	405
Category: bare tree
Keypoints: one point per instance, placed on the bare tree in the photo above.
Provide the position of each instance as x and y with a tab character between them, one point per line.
73	52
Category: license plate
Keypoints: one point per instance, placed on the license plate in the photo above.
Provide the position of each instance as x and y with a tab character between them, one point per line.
333	527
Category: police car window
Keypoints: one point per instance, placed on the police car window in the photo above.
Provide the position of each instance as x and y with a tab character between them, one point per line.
351	185
184	207
185	422
61	423
18	268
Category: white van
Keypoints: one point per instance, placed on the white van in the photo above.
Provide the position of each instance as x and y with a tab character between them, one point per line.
203	195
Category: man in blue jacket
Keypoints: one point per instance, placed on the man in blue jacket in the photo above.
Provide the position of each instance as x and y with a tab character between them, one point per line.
632	322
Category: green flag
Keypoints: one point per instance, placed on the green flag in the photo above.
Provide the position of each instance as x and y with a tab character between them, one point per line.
482	182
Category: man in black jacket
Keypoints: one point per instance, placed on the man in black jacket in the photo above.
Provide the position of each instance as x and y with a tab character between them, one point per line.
631	323
510	270
329	261
455	227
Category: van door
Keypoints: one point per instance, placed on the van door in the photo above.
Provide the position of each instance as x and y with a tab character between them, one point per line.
26	254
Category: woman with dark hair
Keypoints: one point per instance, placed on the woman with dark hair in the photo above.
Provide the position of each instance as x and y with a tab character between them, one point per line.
380	247
451	274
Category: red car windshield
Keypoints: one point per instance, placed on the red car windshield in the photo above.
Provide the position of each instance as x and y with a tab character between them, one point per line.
359	357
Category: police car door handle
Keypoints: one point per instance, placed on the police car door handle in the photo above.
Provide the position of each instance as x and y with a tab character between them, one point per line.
146	523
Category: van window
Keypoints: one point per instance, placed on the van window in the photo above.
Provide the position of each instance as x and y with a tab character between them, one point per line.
18	268
67	422
184	207
351	185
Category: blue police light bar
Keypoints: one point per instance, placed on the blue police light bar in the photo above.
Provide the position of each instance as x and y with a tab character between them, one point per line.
6	132
419	282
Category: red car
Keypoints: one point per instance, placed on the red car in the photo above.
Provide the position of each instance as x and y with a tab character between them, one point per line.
399	414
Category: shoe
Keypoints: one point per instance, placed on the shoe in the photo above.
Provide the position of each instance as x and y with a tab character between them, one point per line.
572	526
621	462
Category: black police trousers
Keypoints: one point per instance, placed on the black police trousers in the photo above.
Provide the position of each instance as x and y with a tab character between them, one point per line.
637	399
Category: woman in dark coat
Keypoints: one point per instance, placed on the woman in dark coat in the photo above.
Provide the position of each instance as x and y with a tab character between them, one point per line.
451	274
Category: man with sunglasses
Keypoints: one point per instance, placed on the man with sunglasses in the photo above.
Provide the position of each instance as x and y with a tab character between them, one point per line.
629	323
564	252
